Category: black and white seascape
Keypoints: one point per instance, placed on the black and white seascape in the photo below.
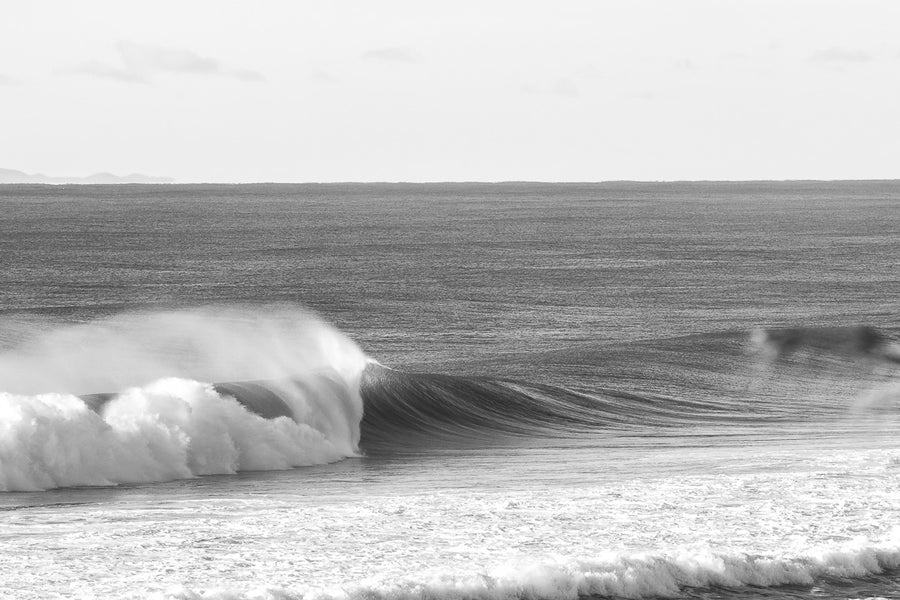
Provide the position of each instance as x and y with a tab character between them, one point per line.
472	391
659	388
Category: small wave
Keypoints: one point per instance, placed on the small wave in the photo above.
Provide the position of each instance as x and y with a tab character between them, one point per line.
610	575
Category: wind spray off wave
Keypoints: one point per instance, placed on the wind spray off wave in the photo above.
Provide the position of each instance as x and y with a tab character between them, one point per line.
168	422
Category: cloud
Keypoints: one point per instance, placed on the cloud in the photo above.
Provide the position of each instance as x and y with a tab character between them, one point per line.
839	55
143	58
565	87
392	54
142	62
323	77
98	69
246	75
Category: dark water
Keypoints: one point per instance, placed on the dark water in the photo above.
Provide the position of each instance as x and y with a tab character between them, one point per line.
498	269
626	390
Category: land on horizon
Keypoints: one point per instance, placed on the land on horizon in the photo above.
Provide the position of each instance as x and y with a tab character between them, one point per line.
16	177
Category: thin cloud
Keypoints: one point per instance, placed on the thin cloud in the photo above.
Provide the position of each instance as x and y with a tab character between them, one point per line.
392	54
246	75
105	71
142	58
142	62
838	55
323	77
565	87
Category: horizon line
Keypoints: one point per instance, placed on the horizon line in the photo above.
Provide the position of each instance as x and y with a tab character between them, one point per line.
459	182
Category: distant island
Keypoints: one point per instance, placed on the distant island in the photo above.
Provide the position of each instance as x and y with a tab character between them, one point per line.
13	176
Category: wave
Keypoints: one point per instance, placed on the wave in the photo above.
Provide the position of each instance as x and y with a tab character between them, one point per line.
293	391
721	379
620	575
177	427
408	411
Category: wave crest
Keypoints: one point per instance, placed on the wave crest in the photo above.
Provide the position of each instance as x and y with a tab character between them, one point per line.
177	427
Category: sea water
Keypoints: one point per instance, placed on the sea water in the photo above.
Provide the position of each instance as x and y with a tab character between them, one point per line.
472	391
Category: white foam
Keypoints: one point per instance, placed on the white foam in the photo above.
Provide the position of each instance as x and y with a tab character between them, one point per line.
171	429
882	398
609	575
175	427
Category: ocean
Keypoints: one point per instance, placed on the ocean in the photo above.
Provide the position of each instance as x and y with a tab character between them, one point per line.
450	391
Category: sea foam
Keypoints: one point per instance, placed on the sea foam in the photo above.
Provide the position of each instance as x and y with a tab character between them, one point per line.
165	424
613	574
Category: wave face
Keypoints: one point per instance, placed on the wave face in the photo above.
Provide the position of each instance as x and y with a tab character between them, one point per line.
763	377
417	411
166	423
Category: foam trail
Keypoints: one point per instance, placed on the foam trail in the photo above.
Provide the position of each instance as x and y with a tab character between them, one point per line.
610	575
175	426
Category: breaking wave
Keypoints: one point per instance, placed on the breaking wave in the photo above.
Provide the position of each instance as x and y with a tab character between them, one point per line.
221	390
167	422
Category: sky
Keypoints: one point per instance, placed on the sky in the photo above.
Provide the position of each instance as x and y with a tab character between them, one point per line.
359	90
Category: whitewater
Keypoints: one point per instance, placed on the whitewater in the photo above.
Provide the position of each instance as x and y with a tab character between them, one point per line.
450	391
162	422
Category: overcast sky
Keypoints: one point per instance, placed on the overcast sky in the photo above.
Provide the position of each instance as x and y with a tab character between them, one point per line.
451	90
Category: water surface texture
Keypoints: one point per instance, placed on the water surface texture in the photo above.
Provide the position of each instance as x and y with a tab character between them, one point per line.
456	391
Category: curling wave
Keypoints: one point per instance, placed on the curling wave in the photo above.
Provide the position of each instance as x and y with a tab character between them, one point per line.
730	378
409	411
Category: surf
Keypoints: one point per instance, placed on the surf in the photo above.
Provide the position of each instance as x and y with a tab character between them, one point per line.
166	420
220	390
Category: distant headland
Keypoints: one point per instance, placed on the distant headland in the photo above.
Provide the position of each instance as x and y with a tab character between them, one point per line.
13	176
